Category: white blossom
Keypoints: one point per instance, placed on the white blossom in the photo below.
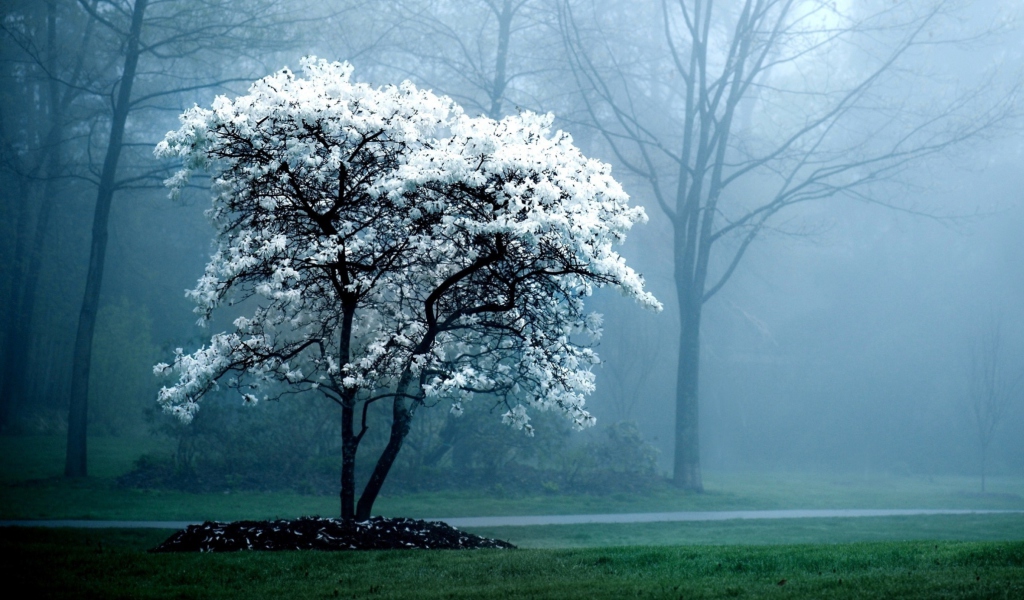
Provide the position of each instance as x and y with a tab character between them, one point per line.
462	249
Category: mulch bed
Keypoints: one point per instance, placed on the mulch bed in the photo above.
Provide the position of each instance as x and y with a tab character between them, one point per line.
316	533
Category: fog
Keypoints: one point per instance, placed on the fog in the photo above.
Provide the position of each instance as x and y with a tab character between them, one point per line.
850	351
842	342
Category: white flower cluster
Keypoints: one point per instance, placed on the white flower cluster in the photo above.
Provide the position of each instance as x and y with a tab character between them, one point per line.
383	236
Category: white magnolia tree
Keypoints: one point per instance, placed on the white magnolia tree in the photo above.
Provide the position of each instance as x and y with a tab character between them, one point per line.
385	246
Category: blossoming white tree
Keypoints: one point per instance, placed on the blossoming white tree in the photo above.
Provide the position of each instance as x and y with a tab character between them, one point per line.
385	246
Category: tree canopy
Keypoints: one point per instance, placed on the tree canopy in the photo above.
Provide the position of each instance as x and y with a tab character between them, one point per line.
384	245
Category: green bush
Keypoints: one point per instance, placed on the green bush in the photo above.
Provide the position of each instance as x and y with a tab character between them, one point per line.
295	444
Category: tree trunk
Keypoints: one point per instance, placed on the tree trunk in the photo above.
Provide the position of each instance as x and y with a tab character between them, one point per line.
501	59
75	459
349	441
28	262
26	280
402	413
16	363
686	469
16	335
348	463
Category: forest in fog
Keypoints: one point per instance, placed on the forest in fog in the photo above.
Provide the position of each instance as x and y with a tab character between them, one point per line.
835	193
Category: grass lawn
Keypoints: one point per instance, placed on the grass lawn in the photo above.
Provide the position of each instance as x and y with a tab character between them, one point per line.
114	564
31	488
867	557
765	531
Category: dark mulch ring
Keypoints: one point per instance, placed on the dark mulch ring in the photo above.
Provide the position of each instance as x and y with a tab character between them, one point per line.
316	533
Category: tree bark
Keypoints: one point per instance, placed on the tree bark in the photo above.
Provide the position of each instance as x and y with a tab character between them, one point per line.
402	412
348	463
349	440
75	459
686	466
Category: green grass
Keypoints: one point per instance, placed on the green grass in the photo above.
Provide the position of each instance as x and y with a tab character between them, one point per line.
113	564
765	531
98	498
31	488
817	558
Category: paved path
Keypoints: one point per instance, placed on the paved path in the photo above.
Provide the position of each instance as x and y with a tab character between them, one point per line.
85	524
724	515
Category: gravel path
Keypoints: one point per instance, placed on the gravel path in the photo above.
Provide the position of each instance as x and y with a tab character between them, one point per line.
724	515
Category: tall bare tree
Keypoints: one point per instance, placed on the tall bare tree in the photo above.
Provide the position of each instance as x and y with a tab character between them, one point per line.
143	56
735	111
46	61
112	76
75	461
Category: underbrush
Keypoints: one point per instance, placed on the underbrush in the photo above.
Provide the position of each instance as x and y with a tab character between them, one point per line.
295	447
156	472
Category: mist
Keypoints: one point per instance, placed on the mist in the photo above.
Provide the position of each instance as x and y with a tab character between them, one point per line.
841	342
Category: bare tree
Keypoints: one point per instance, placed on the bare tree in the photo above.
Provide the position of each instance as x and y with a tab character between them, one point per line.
134	58
735	111
992	389
45	64
493	56
75	461
78	122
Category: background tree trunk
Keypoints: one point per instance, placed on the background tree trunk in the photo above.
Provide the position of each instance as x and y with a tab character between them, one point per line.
75	458
686	472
